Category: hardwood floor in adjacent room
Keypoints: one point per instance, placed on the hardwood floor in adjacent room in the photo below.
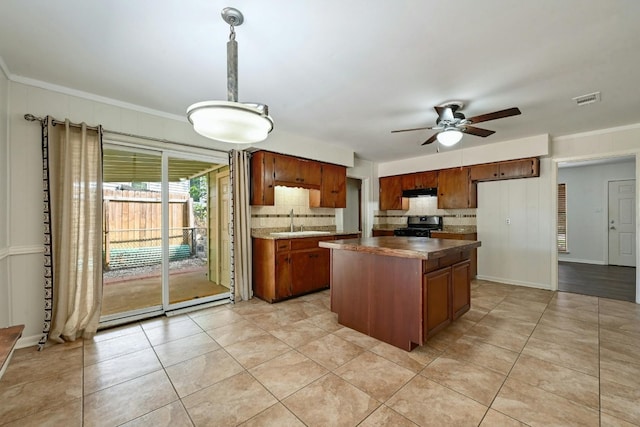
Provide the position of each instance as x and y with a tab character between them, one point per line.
607	281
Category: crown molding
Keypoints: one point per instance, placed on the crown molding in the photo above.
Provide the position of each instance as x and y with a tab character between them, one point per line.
93	97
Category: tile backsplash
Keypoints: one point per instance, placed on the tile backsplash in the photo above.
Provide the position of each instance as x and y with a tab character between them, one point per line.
427	206
287	198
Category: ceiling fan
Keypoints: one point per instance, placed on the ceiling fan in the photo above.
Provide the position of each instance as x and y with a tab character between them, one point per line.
451	123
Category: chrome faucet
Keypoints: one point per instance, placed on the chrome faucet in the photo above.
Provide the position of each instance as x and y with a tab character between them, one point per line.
291	216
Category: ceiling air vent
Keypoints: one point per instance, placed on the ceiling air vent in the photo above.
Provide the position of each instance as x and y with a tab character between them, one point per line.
589	98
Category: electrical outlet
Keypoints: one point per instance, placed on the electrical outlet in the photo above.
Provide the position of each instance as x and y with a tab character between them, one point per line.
508	221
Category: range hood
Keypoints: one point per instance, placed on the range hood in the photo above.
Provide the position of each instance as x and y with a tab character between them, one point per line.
420	192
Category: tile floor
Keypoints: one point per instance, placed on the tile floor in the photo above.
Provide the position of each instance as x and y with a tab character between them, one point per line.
520	356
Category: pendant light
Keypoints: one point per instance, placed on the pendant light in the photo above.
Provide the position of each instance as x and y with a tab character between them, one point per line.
231	121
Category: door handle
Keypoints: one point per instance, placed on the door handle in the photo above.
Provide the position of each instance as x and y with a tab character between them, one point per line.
612	228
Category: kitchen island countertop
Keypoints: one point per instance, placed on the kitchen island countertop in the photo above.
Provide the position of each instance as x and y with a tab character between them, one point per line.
405	247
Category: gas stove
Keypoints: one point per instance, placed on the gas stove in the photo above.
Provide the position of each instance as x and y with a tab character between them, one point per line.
420	226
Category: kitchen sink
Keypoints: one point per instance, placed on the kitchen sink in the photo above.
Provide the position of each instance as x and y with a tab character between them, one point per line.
300	233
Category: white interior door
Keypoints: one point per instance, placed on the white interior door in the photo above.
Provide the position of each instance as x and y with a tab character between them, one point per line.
622	223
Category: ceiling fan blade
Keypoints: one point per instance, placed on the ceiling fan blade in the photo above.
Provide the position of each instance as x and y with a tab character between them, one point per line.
445	113
472	130
495	115
408	130
431	139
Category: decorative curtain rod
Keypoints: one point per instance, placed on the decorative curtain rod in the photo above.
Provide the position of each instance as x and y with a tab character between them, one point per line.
32	118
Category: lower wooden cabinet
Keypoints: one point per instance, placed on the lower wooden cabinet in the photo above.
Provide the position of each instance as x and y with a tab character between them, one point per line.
378	233
446	296
284	268
461	236
437	300
460	289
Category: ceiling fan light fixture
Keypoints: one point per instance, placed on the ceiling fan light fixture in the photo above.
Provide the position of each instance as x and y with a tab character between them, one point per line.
449	137
231	121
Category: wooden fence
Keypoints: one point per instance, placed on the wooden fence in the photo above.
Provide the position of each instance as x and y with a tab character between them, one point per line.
133	219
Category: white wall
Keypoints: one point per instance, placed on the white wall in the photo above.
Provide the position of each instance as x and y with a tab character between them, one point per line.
587	206
366	171
4	205
514	225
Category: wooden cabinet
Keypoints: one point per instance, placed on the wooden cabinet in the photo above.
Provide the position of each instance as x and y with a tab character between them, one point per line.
455	189
523	168
419	180
460	289
446	296
333	188
294	171
461	236
326	182
285	268
378	233
262	178
437	300
391	194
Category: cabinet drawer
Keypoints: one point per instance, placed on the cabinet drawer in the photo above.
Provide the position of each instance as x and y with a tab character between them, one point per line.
283	245
307	243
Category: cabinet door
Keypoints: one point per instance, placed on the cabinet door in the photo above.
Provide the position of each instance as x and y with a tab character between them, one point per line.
455	190
309	173
286	169
488	172
262	178
519	169
460	288
283	275
427	179
303	279
322	269
391	194
436	300
333	190
408	181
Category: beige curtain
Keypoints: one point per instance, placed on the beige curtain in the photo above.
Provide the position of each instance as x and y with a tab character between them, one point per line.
241	287
73	169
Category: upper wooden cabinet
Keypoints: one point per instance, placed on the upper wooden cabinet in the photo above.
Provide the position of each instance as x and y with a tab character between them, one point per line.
333	189
523	168
455	189
391	194
326	182
293	171
414	181
262	178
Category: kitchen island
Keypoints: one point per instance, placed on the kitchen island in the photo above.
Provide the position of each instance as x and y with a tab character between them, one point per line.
400	290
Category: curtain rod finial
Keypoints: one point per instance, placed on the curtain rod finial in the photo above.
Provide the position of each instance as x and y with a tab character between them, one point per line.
32	118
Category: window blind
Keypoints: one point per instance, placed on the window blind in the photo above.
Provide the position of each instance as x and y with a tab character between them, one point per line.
562	218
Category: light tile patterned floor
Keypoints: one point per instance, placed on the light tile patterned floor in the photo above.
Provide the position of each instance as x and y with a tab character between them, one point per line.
520	356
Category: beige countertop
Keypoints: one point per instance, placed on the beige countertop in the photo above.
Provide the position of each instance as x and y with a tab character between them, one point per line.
406	247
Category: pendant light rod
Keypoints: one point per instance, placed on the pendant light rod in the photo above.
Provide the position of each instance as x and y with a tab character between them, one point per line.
233	17
231	121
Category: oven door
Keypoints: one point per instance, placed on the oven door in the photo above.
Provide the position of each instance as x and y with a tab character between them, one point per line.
422	233
403	232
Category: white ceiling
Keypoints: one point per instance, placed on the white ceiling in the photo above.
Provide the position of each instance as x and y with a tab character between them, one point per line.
345	72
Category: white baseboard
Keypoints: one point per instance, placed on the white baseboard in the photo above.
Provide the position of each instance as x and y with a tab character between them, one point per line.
514	282
28	341
582	261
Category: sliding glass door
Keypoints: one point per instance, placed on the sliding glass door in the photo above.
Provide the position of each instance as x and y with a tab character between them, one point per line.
160	231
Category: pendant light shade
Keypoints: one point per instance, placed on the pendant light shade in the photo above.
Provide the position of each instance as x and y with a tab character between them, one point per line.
449	137
231	121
